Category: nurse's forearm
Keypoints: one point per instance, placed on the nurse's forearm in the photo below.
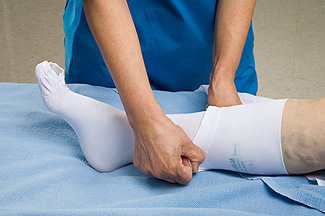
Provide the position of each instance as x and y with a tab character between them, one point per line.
161	148
113	29
233	19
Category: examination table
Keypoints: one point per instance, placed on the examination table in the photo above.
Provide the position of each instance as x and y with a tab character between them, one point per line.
43	170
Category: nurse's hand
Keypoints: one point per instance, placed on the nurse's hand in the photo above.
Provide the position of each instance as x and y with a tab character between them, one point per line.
223	94
162	149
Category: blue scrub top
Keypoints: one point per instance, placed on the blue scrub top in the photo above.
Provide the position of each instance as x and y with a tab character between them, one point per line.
176	39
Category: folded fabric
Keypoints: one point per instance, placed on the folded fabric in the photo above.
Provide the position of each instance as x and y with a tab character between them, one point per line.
43	170
318	177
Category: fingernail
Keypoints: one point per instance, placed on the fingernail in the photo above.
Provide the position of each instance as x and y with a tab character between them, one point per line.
195	167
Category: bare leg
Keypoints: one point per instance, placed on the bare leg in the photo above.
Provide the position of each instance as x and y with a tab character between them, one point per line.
303	135
247	133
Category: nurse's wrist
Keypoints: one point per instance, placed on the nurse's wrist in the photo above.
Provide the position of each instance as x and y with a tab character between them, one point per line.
146	115
222	90
222	76
221	86
223	72
223	94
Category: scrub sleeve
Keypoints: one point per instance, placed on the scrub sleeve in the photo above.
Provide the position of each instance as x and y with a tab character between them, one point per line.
176	39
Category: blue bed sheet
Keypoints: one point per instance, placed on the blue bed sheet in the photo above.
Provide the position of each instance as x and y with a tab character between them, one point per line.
43	170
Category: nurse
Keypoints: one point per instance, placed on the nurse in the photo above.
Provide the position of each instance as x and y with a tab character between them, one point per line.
140	45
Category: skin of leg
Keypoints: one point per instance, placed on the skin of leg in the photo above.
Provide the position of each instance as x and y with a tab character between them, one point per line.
302	128
303	135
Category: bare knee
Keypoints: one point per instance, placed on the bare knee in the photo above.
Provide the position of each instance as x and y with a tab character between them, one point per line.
303	135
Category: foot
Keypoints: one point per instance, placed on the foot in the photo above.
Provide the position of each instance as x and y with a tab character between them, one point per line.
50	78
103	131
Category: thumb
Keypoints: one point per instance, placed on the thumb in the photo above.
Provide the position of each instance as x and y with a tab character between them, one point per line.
194	154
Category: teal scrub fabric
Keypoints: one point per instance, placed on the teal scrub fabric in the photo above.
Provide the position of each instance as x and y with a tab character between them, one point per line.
176	39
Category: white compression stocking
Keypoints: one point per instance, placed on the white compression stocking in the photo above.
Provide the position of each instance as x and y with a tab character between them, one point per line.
228	141
244	138
103	131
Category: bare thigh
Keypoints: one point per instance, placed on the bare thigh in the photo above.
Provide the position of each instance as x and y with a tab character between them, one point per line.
303	135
